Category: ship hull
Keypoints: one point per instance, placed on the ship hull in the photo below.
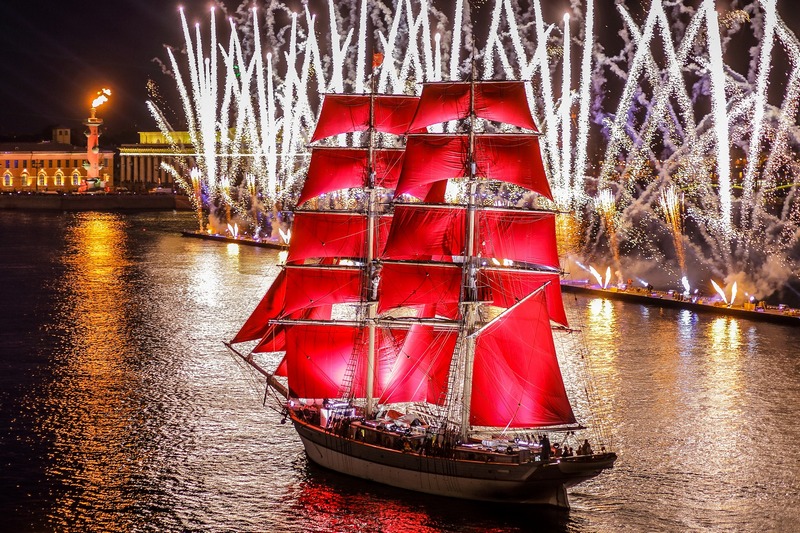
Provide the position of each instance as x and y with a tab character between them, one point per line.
531	482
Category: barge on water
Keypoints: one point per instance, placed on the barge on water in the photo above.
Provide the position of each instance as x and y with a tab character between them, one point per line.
779	314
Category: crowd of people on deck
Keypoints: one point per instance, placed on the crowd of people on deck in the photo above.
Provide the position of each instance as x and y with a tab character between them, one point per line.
557	451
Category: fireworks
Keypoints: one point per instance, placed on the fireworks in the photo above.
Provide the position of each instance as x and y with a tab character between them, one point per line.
251	104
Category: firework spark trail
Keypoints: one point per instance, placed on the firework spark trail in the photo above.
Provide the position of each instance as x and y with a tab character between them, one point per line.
551	120
606	207
760	101
455	55
719	110
617	129
566	108
583	112
789	108
671	204
673	85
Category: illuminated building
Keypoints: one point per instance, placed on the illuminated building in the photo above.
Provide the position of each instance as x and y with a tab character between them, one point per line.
50	166
141	163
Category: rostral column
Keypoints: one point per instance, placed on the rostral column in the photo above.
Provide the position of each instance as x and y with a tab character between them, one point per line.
93	166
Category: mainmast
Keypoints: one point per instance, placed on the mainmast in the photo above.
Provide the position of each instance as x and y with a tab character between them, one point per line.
470	301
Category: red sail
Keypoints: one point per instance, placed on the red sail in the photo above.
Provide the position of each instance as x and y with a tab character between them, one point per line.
327	234
514	159
507	287
432	158
270	307
312	286
332	169
424	231
317	357
330	234
420	370
274	340
407	284
511	158
347	113
501	101
516	378
518	235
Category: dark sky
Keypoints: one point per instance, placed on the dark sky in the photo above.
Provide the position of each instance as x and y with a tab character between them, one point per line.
57	54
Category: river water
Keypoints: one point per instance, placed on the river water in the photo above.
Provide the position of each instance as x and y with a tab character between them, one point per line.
120	409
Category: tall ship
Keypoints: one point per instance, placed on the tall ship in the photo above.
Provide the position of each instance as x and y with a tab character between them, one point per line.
417	316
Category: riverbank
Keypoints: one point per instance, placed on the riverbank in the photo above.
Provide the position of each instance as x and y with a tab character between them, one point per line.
94	202
776	314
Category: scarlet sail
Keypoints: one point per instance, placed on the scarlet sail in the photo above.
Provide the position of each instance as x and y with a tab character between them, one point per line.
317	357
511	158
317	234
526	236
311	286
348	113
322	360
419	284
506	287
419	372
501	101
337	168
516	381
425	231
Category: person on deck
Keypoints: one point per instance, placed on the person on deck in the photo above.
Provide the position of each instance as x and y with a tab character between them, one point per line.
545	443
585	449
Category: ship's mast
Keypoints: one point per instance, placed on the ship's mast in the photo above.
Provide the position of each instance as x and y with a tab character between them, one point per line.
470	302
371	267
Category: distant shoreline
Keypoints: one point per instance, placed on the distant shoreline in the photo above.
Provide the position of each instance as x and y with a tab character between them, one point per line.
665	299
94	202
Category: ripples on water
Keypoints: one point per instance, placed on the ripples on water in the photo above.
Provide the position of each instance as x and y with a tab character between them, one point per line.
121	411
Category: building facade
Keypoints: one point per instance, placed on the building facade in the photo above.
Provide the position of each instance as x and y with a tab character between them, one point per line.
141	165
48	167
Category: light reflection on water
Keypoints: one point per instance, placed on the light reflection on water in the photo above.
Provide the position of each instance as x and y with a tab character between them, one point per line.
122	411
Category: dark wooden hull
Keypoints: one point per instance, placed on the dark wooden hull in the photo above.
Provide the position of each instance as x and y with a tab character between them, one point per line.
491	479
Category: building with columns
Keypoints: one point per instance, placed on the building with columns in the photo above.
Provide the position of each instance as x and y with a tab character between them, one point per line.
140	166
50	166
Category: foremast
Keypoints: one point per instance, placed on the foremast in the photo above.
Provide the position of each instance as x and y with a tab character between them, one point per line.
371	285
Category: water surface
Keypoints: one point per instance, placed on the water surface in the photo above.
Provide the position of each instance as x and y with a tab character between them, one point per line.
120	409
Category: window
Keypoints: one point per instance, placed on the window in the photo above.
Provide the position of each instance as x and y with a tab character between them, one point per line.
42	180
59	181
76	179
16	163
58	163
8	181
8	163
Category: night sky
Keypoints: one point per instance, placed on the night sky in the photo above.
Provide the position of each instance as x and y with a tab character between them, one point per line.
57	54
